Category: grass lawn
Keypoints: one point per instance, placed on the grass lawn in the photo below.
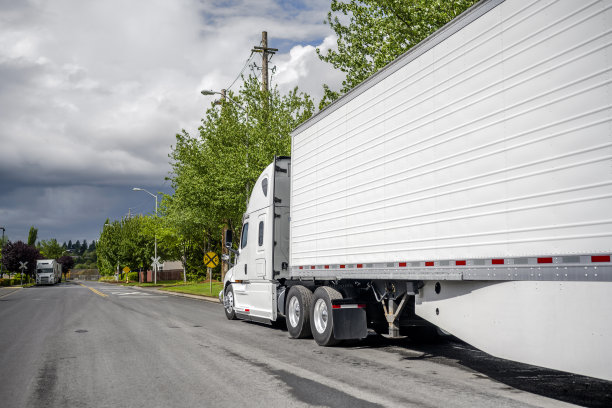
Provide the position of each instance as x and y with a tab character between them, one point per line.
202	289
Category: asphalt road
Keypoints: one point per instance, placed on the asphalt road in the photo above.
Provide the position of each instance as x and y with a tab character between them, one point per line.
71	346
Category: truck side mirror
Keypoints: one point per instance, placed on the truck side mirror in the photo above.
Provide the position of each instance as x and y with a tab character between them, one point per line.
228	238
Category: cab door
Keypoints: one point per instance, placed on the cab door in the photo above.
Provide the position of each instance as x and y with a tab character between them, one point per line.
254	289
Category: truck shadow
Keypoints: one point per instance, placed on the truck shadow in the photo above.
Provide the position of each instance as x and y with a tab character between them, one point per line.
448	350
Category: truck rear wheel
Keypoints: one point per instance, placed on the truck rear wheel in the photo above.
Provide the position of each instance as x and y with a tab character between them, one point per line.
321	319
228	302
299	301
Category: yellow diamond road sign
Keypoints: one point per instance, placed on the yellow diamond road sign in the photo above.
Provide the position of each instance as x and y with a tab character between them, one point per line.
211	260
126	270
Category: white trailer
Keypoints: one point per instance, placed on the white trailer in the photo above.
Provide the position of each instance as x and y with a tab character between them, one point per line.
466	186
48	272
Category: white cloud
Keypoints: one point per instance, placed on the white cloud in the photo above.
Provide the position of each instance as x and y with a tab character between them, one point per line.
303	68
93	93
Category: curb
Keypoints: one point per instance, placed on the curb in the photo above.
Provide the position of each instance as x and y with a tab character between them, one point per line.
188	295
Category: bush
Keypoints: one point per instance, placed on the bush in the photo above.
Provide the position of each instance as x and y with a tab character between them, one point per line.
132	276
15	280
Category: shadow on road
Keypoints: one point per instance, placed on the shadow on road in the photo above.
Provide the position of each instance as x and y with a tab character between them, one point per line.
559	385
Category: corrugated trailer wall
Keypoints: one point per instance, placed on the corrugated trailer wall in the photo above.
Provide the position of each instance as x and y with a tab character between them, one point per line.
491	138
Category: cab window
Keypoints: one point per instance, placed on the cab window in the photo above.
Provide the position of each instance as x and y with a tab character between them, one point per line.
261	233
245	234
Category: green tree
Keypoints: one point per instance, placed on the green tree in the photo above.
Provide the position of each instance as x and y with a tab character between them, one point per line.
67	263
128	242
212	174
372	33
50	249
14	253
32	236
108	247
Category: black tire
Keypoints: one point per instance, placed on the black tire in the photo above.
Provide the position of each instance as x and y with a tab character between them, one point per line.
228	303
321	317
299	301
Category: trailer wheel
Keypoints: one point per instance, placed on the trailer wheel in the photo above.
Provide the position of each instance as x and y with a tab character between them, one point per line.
321	320
228	302
299	301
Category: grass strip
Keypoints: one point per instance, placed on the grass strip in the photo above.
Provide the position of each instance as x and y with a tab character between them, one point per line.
202	289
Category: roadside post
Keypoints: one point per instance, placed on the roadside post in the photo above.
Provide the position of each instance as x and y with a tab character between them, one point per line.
211	260
155	265
22	266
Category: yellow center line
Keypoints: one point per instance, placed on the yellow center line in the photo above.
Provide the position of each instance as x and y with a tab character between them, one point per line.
97	292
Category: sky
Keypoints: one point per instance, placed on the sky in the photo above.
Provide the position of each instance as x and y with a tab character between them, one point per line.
92	94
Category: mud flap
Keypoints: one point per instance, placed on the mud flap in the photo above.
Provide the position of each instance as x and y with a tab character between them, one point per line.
350	323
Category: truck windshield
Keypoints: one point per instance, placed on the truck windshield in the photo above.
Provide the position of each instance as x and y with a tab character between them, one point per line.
44	270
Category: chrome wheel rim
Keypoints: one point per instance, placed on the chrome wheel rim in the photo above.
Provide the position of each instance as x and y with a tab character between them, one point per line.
294	311
229	301
321	316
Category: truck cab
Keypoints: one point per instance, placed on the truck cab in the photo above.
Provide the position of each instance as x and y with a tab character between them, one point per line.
263	253
48	272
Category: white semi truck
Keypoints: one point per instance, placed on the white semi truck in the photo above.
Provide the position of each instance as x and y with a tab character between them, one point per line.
467	186
48	272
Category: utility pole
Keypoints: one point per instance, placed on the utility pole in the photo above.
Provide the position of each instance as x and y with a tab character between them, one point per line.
265	51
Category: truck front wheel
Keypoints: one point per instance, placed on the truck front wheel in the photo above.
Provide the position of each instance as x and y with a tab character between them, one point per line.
321	318
299	301
228	302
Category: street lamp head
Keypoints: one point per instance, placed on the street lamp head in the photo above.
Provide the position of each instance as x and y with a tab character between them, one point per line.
137	189
208	92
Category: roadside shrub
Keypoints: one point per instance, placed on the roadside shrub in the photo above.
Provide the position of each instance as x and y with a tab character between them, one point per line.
132	276
5	282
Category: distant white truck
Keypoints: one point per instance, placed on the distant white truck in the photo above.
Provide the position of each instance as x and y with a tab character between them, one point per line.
467	186
48	272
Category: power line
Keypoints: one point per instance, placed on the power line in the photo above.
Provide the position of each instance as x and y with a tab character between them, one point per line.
246	64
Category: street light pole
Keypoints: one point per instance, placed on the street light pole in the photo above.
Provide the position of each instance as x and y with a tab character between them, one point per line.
155	263
1	245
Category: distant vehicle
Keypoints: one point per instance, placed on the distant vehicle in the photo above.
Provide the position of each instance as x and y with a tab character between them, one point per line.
48	272
465	187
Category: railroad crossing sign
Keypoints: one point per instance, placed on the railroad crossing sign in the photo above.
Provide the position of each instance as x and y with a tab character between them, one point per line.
126	270
22	265
211	260
156	262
